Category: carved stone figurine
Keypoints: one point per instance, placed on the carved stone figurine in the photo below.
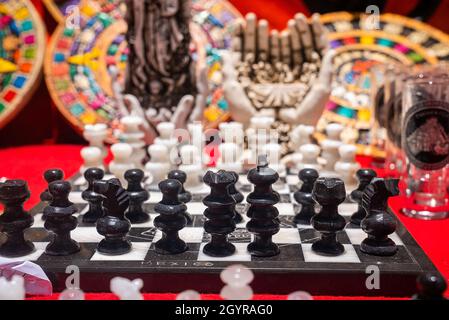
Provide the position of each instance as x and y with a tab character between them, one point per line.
378	223
285	75
161	78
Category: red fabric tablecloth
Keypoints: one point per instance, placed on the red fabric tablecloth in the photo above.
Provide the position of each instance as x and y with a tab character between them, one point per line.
29	163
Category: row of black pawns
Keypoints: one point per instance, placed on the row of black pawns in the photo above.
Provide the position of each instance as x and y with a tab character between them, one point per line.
112	208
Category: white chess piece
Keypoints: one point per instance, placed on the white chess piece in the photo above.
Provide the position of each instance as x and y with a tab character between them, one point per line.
259	134
72	294
309	155
192	166
96	134
127	289
92	158
330	147
347	166
232	132
301	135
188	295
13	289
133	135
273	152
299	295
158	166
229	159
166	131
237	279
122	161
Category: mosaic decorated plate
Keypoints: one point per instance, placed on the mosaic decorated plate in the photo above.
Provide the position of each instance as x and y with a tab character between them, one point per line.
360	50
22	46
77	64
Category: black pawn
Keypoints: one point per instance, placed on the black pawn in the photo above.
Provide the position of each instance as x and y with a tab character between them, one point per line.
304	197
264	221
431	286
365	176
219	213
329	193
50	175
14	220
378	223
113	225
184	196
171	218
137	196
60	220
238	197
95	210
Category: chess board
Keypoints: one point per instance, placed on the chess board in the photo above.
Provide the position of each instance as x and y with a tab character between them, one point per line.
297	267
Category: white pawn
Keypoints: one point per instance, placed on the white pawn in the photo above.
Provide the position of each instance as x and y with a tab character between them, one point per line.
134	137
72	294
127	289
301	135
122	161
330	147
299	295
229	157
192	166
13	289
166	138
309	155
273	152
188	295
237	277
96	134
92	158
347	166
158	166
232	132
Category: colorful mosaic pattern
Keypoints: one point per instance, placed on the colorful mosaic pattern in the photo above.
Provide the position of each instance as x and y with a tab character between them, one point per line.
22	40
80	57
360	51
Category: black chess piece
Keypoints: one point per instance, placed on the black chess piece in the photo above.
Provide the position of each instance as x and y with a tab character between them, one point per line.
264	221
51	175
304	197
95	210
431	286
113	225
329	193
219	213
378	223
365	176
60	220
137	196
238	197
184	195
171	218
14	220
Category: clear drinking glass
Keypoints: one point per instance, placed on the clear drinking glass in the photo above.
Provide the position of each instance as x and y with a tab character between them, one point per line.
425	144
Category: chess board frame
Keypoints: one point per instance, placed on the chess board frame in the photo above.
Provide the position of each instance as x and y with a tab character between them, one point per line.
296	268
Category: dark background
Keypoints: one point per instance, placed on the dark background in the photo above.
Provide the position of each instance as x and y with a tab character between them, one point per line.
39	122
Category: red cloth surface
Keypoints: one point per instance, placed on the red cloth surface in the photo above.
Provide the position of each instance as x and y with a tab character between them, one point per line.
31	161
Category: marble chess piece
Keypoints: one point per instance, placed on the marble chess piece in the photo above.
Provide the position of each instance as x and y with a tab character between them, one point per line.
347	166
237	279
133	135
73	294
188	295
192	166
232	132
299	295
96	135
127	289
230	158
92	158
309	157
158	166
330	149
166	135
122	161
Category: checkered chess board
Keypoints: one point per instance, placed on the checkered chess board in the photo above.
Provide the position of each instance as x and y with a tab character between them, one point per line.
297	267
